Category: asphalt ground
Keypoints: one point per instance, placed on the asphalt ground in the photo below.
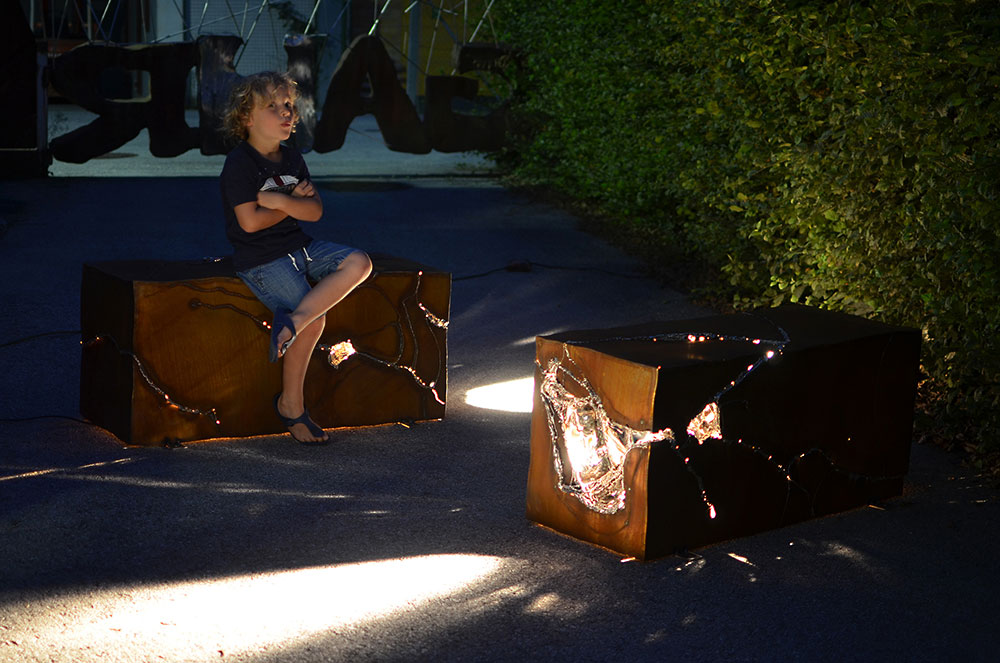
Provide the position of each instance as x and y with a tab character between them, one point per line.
401	543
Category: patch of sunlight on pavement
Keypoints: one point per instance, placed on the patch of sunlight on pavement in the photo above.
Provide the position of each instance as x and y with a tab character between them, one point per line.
510	396
201	620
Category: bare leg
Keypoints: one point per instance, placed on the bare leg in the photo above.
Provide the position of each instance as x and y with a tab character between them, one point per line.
291	403
331	289
309	317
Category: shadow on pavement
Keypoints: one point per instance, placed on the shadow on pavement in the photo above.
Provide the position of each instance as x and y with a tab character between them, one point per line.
410	543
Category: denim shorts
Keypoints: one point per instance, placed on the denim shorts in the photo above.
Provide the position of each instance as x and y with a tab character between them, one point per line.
283	282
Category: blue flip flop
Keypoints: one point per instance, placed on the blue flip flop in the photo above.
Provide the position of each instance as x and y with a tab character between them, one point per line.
305	420
281	321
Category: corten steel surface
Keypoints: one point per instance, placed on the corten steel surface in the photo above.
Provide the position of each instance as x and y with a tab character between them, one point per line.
176	351
823	426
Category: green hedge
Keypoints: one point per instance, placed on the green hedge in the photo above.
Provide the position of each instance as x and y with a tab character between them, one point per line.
841	154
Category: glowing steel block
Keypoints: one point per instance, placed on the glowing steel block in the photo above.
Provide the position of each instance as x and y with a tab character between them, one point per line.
668	436
177	351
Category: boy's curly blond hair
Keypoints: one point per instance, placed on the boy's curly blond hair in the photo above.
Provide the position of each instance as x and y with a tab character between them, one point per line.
247	94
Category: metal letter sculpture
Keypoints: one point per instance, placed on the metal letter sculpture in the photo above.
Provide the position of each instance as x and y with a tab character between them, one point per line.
365	81
24	125
75	73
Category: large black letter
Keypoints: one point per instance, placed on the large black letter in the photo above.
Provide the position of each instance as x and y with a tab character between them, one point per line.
367	59
76	73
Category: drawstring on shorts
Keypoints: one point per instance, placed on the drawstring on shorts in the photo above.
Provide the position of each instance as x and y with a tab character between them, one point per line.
296	264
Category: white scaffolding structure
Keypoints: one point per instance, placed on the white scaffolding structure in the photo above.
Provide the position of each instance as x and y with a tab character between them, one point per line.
430	27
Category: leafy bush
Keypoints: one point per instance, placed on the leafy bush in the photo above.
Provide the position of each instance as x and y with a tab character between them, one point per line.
841	154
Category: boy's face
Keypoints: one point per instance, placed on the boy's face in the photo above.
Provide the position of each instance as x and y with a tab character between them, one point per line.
272	118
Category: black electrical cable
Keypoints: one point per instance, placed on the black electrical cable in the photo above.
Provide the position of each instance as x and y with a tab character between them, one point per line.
14	420
42	335
33	337
528	265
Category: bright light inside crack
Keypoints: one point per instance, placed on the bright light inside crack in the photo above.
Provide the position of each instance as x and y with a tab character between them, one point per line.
340	353
510	396
202	620
589	448
707	424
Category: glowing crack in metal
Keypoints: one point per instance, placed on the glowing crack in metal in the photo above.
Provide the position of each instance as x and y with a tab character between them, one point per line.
708	424
336	354
403	325
197	303
211	413
433	319
582	427
339	352
593	445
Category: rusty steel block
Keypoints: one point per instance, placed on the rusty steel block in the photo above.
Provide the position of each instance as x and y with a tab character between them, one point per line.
176	351
669	436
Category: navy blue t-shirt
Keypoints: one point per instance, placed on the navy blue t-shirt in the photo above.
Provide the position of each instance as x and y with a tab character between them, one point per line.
245	174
